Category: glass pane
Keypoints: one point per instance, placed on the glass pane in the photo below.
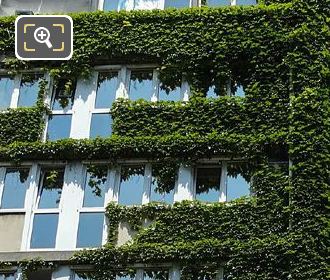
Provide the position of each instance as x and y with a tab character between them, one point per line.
95	186
240	91
177	3
64	92
157	194
211	92
173	95
101	125
237	187
90	230
124	277
39	275
29	89
51	189
6	91
7	276
106	89
154	274
246	2
111	5
208	184
44	231
218	3
59	127
131	185
140	85
15	186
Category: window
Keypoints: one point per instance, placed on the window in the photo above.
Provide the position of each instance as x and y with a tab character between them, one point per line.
170	95
208	184
6	91
46	210
116	5
246	2
218	3
7	276
131	185
239	91
101	122
141	85
156	192
14	189
177	3
39	275
214	183
29	89
59	122
91	217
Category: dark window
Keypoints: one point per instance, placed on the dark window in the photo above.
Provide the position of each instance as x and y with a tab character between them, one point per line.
208	184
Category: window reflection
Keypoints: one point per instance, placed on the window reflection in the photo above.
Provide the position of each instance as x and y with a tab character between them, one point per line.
211	93
96	186
59	127
15	187
106	89
125	277
64	92
7	276
246	2
237	187
29	89
101	125
90	230
114	5
131	185
140	85
177	4
218	3
208	184
155	274
172	95
6	91
240	91
44	231
51	188
158	194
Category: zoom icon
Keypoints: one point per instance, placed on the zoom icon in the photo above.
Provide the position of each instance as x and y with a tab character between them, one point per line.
43	37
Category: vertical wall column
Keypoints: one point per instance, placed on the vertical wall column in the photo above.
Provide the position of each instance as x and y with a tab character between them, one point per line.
71	199
184	190
83	105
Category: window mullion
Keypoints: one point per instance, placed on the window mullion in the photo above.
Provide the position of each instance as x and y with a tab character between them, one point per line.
123	81
147	183
2	182
155	86
15	95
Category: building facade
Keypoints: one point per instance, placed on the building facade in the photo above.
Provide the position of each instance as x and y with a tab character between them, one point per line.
184	140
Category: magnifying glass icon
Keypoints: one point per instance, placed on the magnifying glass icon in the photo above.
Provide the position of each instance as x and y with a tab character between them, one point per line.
41	35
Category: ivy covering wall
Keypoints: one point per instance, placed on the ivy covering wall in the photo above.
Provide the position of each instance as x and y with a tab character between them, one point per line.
279	54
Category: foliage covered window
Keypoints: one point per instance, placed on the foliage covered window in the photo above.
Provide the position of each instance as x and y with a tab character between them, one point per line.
63	94
163	183
246	2
29	89
218	3
131	185
14	189
169	94
237	187
7	276
141	85
91	217
39	274
208	184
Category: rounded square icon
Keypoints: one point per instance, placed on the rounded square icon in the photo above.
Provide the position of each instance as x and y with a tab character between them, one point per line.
43	37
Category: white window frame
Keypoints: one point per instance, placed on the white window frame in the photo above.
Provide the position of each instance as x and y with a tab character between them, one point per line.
17	85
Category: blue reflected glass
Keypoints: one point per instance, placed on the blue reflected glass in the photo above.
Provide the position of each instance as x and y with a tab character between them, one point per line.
240	91
64	94
218	3
101	125
173	95
140	85
15	187
156	195
131	185
211	92
246	2
237	187
95	188
29	89
208	184
111	5
177	3
44	231
51	189
124	277
7	276
6	91
90	230
106	89
59	127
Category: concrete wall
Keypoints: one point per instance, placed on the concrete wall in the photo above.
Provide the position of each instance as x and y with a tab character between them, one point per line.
125	233
11	228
